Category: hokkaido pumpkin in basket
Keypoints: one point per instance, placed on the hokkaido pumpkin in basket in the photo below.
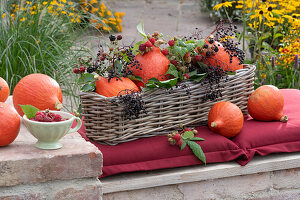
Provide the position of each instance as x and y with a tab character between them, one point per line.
218	56
153	64
114	86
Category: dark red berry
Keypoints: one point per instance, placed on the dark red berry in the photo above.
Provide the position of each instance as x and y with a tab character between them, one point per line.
142	47
152	40
76	70
165	52
187	129
82	69
187	76
47	119
39	118
52	115
177	137
148	44
58	118
174	62
197	58
119	37
186	55
171	43
179	143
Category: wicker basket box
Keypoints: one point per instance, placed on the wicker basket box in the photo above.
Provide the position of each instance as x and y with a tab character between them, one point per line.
165	109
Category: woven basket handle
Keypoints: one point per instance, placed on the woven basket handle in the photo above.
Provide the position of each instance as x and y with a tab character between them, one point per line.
77	127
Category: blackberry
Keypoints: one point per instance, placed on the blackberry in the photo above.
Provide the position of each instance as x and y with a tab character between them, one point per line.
112	38
90	69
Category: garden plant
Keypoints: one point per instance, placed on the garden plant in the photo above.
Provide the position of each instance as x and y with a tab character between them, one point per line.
271	34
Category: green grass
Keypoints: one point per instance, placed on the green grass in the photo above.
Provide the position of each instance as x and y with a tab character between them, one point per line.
42	43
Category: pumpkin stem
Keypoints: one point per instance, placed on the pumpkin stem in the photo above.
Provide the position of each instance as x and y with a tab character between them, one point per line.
213	124
58	105
97	77
284	119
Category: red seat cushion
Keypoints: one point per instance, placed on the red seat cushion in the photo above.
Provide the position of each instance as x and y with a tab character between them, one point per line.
264	138
156	153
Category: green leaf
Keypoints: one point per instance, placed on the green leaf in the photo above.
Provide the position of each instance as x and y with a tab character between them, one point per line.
153	80
200	43
197	77
180	50
140	28
230	73
172	71
29	110
85	78
181	43
191	47
187	135
183	145
152	85
277	35
197	151
135	78
168	84
89	87
197	139
136	47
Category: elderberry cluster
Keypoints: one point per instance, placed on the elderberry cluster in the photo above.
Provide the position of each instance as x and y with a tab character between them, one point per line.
116	62
214	75
223	35
132	103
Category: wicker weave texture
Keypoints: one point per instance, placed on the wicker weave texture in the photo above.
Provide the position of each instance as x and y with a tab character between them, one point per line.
166	109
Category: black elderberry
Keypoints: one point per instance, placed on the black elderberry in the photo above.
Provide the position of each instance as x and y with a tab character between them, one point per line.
205	46
208	53
211	41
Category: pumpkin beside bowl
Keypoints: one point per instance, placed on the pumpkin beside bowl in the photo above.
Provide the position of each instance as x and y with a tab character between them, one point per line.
49	133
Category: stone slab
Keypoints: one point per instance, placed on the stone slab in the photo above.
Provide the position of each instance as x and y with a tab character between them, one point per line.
22	163
160	178
78	189
253	186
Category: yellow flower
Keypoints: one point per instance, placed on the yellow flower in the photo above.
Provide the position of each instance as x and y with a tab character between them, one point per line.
28	2
45	3
225	4
4	15
64	1
70	3
22	20
93	2
63	12
71	14
263	76
108	13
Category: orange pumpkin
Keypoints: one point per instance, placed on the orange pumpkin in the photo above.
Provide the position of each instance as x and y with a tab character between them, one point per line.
266	104
38	90
114	86
4	90
226	119
9	124
222	58
154	65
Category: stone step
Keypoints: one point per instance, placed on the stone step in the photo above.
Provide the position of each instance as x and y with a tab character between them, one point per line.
22	163
271	177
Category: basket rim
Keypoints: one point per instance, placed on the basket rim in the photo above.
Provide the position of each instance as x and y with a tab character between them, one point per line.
247	68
